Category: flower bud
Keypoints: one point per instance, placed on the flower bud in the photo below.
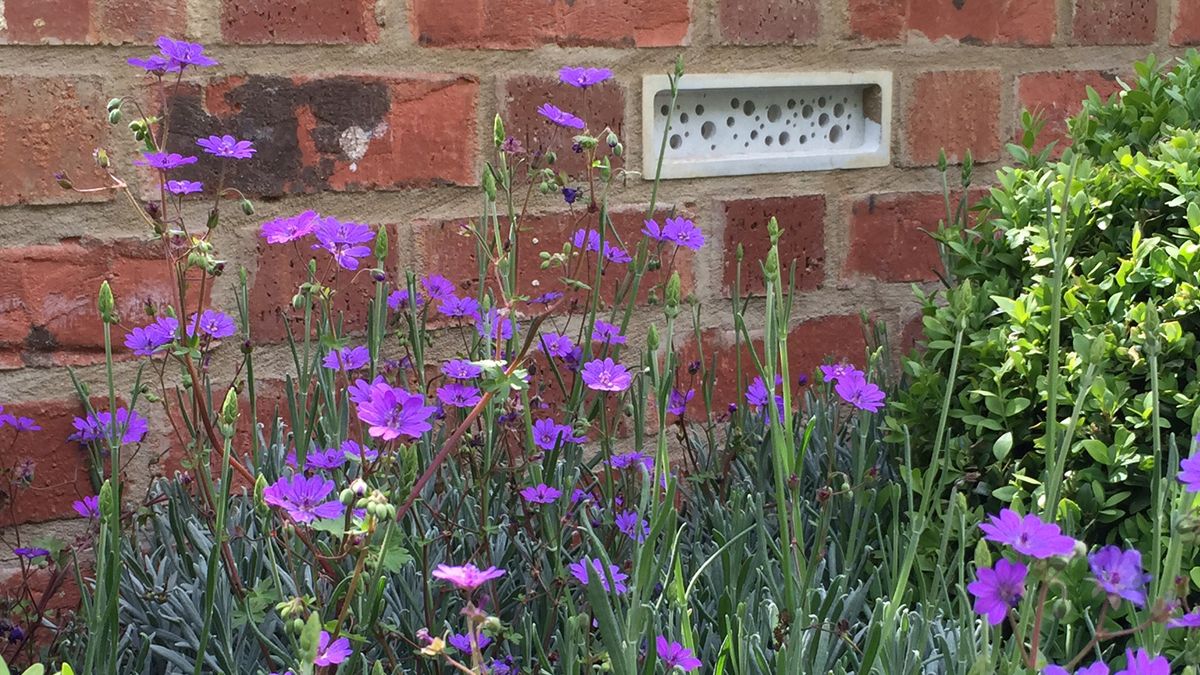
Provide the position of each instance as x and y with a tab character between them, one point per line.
381	245
551	157
359	487
63	181
489	183
247	206
106	304
101	156
679	65
674	291
214	219
619	150
771	265
612	140
498	131
114	116
773	229
229	411
113	104
652	338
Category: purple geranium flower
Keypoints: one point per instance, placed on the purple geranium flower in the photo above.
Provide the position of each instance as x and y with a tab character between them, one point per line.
88	507
466	577
347	358
304	499
454	306
19	424
462	642
461	369
627	459
632	525
855	390
495	326
345	241
580	570
392	412
354	450
331	652
1142	663
560	117
547	433
540	494
437	287
683	232
675	655
556	344
588	240
1189	473
1189	620
154	63
360	391
1120	573
606	375
997	589
227	146
678	401
96	426
832	373
184	187
583	77
31	553
603	331
1028	535
216	325
284	230
616	254
398	299
546	298
653	230
145	340
329	458
458	395
180	54
164	161
757	394
570	194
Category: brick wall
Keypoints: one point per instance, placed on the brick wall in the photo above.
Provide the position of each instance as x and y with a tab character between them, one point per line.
421	80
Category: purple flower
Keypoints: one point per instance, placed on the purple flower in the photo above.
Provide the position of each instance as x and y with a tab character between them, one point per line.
347	358
145	340
556	344
392	412
466	577
606	375
580	570
331	653
832	373
454	306
184	187
151	64
356	451
164	161
180	54
757	394
653	231
547	433
560	117
603	331
570	194
855	390
495	326
588	240
540	494
399	299
216	325
227	146
1189	620
304	499
1189	473
674	655
683	232
345	241
88	507
1120	573
461	369
1028	535
19	423
632	526
284	230
96	426
1097	668
437	287
462	642
31	553
330	458
546	298
360	391
628	459
997	589
1141	663
583	77
458	395
616	254
678	401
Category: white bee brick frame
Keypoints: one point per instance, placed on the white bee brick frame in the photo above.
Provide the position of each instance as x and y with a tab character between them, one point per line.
733	124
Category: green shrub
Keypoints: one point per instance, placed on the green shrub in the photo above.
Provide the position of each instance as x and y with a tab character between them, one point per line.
1130	244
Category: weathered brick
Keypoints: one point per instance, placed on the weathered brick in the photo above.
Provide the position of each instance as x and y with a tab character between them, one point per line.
1058	96
601	106
802	220
955	110
761	22
1115	22
48	312
91	21
1186	23
291	22
345	133
889	236
282	268
49	124
989	22
525	24
61	467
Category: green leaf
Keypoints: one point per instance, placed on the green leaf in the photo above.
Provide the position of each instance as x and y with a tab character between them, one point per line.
1100	451
1002	446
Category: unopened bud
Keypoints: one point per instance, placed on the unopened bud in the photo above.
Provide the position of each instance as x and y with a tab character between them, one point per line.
229	411
63	181
381	245
101	156
612	140
652	338
106	304
489	183
498	131
247	207
114	116
773	229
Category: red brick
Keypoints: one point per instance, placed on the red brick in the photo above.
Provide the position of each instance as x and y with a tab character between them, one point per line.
447	251
92	21
762	22
281	270
1058	96
525	24
46	125
344	133
992	22
890	236
601	106
802	220
292	22
48	311
1186	23
1115	22
912	337
957	110
272	402
60	476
